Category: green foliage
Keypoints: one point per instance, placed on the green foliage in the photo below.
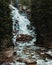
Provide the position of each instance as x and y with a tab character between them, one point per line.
5	22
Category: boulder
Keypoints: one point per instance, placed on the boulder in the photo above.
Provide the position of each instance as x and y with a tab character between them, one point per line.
24	38
7	55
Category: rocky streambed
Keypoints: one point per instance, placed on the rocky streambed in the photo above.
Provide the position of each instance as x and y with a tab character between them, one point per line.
28	55
25	52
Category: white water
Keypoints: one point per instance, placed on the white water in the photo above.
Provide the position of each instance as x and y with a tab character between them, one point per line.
21	28
21	25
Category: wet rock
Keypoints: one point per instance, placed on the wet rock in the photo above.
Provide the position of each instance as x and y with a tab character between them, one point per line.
8	52
30	62
7	55
27	61
6	59
44	55
49	52
24	38
15	31
19	60
14	53
6	64
49	56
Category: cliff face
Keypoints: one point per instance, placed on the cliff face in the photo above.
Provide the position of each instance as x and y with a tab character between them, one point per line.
5	25
42	20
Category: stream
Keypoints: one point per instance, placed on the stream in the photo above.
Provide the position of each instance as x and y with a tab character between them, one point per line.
24	39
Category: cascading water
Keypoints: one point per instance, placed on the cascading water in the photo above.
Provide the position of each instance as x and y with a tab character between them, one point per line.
26	50
20	24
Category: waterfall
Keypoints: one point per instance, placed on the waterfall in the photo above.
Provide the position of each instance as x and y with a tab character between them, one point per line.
25	45
20	24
